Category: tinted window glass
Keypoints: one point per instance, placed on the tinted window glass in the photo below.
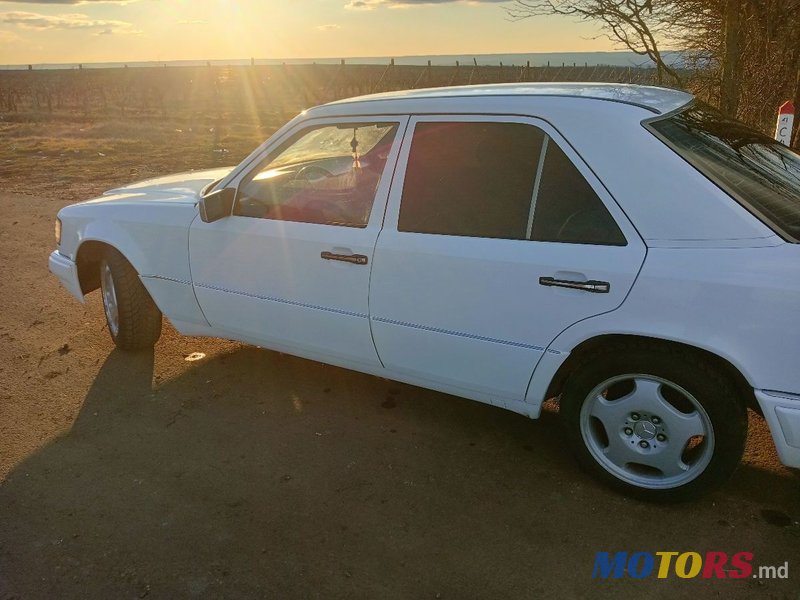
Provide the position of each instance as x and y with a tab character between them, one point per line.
567	208
480	180
470	179
753	168
326	175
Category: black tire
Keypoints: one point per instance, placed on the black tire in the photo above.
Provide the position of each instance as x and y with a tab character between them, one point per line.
669	372
138	320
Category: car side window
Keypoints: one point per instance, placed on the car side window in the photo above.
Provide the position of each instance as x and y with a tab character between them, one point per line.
326	175
470	179
499	180
567	209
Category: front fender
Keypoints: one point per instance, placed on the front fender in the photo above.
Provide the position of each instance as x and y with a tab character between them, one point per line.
154	239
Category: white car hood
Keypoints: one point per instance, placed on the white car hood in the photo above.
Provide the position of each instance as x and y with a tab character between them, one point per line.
187	185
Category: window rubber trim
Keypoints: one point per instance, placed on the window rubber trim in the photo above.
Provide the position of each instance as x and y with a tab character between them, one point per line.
537	182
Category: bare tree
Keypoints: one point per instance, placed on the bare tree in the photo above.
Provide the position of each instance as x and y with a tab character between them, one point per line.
746	53
729	94
742	55
639	25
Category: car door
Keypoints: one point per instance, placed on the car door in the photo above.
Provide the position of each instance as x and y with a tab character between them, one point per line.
497	237
290	268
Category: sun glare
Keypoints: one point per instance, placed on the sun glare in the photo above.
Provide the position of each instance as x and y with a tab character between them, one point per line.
140	30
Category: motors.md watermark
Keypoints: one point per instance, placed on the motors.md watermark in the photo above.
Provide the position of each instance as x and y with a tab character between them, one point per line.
684	565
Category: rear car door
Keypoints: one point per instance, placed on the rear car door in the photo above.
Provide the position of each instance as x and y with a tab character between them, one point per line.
497	238
290	268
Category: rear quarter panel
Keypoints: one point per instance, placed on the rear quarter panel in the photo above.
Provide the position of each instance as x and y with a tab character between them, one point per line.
742	304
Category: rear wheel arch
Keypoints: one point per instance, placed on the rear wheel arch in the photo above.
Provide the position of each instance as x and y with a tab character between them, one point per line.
609	342
656	422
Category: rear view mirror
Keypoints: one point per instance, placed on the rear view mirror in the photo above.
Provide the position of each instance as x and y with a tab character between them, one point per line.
217	205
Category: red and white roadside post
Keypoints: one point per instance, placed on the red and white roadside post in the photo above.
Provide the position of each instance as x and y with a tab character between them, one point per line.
783	130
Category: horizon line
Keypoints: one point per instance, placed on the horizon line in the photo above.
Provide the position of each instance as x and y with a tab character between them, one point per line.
377	59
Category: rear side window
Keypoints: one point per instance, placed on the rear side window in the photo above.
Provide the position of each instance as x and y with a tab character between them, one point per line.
470	179
567	208
499	180
760	173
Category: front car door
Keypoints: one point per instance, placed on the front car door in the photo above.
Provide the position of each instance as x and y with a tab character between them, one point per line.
497	238
290	268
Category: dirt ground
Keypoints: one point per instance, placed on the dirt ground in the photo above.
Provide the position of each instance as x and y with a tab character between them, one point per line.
249	473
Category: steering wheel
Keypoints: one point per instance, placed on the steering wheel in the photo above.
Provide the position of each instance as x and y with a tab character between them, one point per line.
310	173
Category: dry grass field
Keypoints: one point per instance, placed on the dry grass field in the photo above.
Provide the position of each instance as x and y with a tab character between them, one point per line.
76	132
79	148
79	157
73	133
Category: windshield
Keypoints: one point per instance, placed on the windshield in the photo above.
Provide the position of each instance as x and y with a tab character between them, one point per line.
332	142
760	173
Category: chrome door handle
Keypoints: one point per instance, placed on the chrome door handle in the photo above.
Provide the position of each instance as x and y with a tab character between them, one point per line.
356	259
594	286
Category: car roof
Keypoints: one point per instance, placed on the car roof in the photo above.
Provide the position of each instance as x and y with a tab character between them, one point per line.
655	99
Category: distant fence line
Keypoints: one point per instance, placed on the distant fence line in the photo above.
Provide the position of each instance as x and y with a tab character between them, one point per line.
262	89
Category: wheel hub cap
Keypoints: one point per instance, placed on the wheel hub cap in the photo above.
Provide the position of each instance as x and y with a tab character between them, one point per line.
645	430
109	299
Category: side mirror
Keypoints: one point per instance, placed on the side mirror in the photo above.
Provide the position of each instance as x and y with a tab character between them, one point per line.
217	205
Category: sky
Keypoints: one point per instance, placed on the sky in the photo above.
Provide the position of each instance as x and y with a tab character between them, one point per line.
66	31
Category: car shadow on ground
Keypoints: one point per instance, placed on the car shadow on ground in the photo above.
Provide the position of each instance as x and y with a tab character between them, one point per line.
258	474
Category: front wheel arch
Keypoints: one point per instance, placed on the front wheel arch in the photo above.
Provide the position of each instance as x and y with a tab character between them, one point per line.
133	318
88	259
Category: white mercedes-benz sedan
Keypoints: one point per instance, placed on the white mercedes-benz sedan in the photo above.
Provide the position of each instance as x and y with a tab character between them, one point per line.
625	249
